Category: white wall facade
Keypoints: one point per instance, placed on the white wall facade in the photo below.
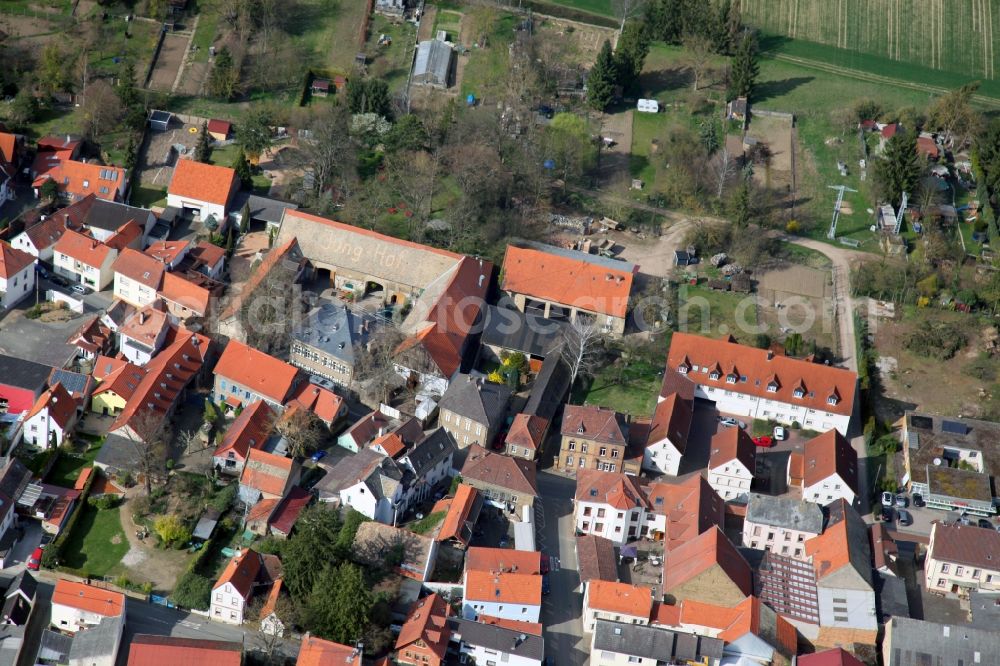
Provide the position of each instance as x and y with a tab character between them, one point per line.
829	489
205	208
38	430
661	457
227	605
734	402
97	277
781	540
23	242
72	620
606	521
473	608
360	498
951	577
17	287
731	480
132	291
480	655
846	608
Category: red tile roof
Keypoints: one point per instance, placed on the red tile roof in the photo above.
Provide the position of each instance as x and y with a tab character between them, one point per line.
123	380
266	472
391	443
672	419
561	279
619	490
479	558
324	403
291	506
82	178
926	146
207	253
216	126
180	291
318	652
595	424
596	558
12	260
890	130
527	430
817	382
512	588
125	236
710	548
8	147
46	233
167	252
740	620
498	470
249	430
533	628
202	182
149	650
85	249
834	657
167	375
732	444
257	371
139	267
242	572
458	514
427	622
611	597
61	405
146	325
691	507
829	454
89	599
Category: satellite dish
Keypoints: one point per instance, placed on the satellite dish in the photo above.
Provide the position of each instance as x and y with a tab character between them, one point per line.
937	461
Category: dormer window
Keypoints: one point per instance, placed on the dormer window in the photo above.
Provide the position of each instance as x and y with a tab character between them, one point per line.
798	393
714	375
772	387
832	400
731	379
683	369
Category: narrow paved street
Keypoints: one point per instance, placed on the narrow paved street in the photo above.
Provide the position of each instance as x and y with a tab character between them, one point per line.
561	609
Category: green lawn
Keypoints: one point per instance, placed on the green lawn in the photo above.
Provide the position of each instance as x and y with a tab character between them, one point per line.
630	389
428	522
715	313
486	69
97	543
898	38
147	197
602	7
208	23
391	62
449	21
69	466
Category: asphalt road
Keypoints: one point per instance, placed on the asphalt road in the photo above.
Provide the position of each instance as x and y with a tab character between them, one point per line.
146	618
564	639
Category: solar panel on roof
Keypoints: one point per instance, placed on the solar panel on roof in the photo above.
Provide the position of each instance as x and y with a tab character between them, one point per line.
954	427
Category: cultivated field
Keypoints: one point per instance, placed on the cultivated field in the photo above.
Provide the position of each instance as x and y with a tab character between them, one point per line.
951	35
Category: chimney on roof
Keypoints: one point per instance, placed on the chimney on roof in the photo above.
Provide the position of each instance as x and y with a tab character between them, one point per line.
770	354
142	317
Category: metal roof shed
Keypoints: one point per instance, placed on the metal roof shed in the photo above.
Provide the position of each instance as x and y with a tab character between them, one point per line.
433	63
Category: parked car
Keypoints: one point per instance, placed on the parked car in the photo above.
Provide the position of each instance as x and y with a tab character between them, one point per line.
80	289
35	561
780	434
41	271
918	499
319	455
59	280
985	524
901	501
545	584
887	514
546	111
888	499
763	440
964	519
904	517
729	422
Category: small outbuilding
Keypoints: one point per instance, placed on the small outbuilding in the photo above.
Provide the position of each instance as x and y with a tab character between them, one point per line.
320	87
160	120
219	129
432	66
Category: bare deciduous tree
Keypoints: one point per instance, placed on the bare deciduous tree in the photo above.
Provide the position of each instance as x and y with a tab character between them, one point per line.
302	430
330	150
581	347
723	168
269	633
149	433
374	363
698	56
101	108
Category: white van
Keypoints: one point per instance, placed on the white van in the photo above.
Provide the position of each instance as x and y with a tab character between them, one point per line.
648	106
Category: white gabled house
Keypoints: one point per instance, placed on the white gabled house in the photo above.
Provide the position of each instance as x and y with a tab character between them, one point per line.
248	572
17	275
830	469
51	418
732	463
668	435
